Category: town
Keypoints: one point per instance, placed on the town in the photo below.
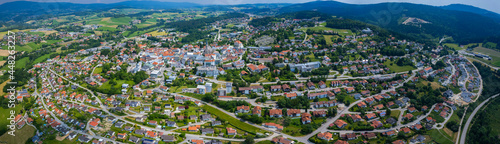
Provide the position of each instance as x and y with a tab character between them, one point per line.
207	77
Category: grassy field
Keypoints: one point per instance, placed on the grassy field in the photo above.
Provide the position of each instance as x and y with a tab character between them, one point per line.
98	70
495	55
342	32
394	67
156	33
328	39
19	63
454	46
395	113
42	58
119	83
21	135
434	85
312	58
438	137
233	121
2	85
5	113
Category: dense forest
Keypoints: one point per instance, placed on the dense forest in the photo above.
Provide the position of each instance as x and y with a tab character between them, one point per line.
261	21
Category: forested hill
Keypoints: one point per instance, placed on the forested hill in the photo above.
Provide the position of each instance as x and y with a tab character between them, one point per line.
20	10
472	9
460	25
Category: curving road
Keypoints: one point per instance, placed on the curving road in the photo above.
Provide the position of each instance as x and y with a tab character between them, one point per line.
466	127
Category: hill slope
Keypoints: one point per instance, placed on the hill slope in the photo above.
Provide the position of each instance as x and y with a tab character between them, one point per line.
459	24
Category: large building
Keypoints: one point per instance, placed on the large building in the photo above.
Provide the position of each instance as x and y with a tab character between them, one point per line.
207	70
305	67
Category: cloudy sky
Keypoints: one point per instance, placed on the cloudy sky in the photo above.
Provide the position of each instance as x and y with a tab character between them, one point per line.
491	5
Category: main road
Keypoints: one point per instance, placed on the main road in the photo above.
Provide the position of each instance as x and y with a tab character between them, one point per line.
466	127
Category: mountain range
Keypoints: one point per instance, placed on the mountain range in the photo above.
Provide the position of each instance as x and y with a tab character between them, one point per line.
459	21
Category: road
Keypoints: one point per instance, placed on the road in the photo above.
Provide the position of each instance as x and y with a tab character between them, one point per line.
466	127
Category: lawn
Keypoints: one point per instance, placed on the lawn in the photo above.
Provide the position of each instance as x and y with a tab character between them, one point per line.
97	70
233	121
394	67
21	135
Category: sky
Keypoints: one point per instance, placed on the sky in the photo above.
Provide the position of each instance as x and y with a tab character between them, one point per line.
491	5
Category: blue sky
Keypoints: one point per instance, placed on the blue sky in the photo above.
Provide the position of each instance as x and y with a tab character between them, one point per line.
491	5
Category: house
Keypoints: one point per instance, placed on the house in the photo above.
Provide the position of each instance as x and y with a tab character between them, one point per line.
275	88
205	117
322	84
389	133
170	123
196	141
216	123
408	116
340	123
121	135
311	86
277	113
167	138
325	136
72	135
230	131
242	109
84	138
214	142
293	112
371	135
349	136
282	140
371	116
349	89
405	130
207	131
291	95
398	142
273	125
376	124
256	110
306	118
361	104
319	113
341	142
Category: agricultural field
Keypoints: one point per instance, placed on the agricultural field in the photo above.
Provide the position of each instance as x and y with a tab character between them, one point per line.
495	55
